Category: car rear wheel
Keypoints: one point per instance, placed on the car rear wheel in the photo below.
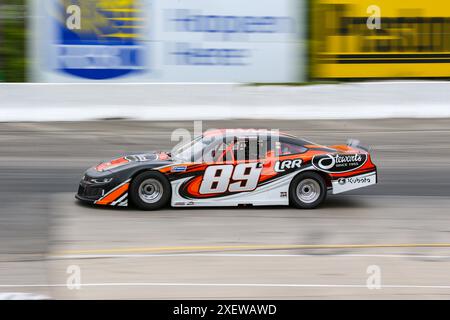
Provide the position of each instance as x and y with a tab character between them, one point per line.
308	190
150	191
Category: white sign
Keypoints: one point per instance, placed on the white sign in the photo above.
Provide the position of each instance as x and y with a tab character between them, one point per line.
167	41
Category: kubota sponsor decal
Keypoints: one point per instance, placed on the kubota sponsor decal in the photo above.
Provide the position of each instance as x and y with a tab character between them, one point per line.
336	163
354	180
346	184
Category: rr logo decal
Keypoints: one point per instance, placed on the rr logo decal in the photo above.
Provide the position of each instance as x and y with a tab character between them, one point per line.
282	166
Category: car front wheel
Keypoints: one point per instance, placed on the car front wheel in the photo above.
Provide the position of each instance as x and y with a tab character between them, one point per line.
150	191
308	190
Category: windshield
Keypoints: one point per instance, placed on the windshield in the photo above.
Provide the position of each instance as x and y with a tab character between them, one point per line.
191	150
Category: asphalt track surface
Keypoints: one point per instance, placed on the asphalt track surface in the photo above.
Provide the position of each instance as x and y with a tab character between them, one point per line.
400	226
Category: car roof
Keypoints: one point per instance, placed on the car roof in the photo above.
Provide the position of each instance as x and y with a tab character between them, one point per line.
246	133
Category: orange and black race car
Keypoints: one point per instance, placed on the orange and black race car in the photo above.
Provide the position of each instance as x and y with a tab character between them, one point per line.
231	167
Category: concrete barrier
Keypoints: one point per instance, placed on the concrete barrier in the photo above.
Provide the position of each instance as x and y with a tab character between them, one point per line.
78	102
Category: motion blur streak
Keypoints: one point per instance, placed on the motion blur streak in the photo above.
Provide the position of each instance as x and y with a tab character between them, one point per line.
405	215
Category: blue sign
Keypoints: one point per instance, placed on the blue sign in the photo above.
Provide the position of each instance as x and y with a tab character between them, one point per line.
106	42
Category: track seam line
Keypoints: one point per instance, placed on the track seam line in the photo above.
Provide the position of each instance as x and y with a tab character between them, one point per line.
168	284
249	247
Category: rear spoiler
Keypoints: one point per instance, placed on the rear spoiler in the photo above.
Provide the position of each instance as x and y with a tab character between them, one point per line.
356	144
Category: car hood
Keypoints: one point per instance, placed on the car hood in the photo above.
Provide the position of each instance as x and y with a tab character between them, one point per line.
154	156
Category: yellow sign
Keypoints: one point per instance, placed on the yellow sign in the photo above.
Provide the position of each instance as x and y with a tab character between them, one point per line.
380	38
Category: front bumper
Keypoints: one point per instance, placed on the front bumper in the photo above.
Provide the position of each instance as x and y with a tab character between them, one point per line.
113	193
91	192
84	199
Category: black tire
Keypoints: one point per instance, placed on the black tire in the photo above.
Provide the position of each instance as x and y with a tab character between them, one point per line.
314	190
140	191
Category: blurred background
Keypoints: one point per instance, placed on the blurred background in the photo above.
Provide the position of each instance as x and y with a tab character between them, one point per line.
84	81
291	41
13	41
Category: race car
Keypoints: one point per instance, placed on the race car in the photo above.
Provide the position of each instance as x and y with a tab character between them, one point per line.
231	167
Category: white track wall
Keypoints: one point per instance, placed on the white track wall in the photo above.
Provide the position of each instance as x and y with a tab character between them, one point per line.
75	102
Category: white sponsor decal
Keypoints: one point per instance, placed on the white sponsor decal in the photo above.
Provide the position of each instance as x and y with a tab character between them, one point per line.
339	162
351	183
353	180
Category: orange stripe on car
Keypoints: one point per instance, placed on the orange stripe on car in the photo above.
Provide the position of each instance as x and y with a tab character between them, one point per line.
114	195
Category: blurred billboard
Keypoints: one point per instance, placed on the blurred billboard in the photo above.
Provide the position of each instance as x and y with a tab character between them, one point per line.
380	39
166	40
12	40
